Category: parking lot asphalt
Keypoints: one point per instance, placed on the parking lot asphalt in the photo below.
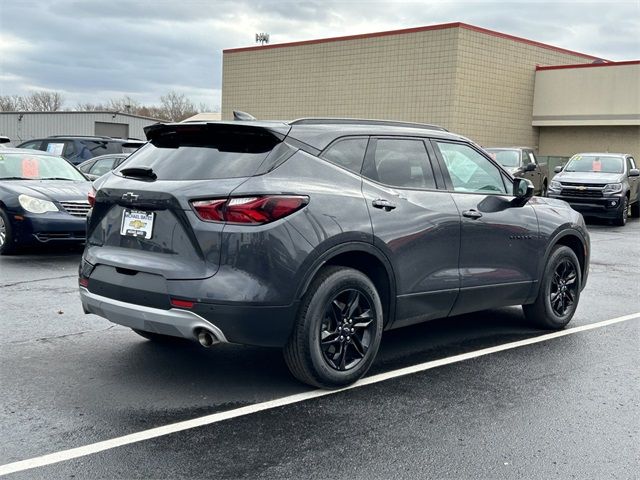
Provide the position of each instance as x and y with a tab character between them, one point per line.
563	408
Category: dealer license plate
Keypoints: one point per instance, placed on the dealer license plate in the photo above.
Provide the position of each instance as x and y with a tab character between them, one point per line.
137	224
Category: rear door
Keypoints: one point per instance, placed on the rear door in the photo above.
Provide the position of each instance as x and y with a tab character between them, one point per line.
499	248
415	224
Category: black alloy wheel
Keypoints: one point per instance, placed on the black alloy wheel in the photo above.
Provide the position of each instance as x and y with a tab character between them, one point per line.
559	291
338	329
564	286
623	215
347	329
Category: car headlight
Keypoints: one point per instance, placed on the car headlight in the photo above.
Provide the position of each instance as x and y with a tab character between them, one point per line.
36	205
554	185
613	188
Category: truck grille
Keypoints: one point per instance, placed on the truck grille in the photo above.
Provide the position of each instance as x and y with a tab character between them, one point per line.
77	209
577	192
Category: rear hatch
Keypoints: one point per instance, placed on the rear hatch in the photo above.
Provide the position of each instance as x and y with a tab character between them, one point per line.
143	221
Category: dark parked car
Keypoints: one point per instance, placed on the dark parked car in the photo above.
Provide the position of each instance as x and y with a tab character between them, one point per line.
43	198
77	149
522	162
604	185
98	166
316	235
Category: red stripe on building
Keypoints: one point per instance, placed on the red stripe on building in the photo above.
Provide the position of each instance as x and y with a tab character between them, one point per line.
442	26
588	65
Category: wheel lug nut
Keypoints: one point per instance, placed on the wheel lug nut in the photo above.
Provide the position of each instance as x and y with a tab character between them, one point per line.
353	330
341	338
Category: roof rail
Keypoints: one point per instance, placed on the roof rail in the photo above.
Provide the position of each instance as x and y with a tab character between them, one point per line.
362	121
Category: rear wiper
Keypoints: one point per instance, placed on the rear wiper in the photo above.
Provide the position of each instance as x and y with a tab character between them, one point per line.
57	178
139	172
17	178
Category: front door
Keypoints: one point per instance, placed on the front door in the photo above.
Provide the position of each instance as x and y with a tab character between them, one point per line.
415	224
500	248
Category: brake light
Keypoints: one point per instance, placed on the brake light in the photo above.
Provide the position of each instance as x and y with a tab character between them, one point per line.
249	210
91	196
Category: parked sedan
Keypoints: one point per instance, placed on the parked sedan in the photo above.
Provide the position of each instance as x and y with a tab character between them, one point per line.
605	185
43	198
318	234
98	166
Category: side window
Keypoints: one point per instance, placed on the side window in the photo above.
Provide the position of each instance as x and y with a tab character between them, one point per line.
70	149
630	163
402	163
470	171
32	145
348	153
531	156
102	166
525	158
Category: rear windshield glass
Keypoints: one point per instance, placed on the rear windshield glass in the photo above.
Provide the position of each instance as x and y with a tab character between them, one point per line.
506	158
203	154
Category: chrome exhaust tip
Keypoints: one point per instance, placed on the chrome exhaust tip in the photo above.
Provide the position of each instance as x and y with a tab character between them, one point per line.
207	339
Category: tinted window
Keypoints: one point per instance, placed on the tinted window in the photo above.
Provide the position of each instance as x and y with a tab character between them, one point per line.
197	154
348	153
32	145
401	163
470	171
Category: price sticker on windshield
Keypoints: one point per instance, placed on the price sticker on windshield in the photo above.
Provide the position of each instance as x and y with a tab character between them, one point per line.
137	224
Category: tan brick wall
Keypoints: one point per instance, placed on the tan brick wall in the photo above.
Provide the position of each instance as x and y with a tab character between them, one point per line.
470	82
404	77
494	88
566	141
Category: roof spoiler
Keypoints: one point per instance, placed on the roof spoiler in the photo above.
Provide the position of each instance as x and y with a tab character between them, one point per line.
276	130
133	144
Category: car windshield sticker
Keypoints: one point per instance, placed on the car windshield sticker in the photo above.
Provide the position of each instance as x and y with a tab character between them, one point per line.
55	148
596	166
30	167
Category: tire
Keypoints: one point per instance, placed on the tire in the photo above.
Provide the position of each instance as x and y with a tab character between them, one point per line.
559	291
7	245
543	192
635	209
621	218
331	345
158	337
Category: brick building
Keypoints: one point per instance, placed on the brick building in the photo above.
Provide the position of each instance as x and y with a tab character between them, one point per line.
470	80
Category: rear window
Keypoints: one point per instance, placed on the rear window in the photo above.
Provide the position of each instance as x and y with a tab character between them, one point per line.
203	154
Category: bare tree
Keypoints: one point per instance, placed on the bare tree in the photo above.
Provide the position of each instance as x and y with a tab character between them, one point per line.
44	101
177	106
11	103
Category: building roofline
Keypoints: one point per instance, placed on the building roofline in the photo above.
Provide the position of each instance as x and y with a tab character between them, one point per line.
109	112
442	26
588	65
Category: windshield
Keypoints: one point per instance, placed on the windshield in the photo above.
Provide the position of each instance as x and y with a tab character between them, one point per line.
595	163
506	158
30	166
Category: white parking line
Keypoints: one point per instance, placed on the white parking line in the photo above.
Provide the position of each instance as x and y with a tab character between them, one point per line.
90	449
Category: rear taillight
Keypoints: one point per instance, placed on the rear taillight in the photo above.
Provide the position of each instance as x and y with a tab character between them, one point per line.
249	210
91	196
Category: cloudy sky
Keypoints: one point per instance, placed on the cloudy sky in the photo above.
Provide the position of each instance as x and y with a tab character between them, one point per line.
94	50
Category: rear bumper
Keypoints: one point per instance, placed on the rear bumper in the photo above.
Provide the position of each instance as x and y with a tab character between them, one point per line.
602	207
175	322
260	325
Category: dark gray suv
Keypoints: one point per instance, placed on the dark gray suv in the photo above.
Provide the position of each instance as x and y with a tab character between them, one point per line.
316	235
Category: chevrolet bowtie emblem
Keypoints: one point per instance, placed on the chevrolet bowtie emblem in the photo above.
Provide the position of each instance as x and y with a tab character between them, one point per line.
137	224
582	188
130	197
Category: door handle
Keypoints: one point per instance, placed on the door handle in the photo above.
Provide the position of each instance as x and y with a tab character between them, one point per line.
386	205
471	214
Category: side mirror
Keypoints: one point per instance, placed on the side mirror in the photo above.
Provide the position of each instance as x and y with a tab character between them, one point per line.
529	167
558	169
634	172
522	190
